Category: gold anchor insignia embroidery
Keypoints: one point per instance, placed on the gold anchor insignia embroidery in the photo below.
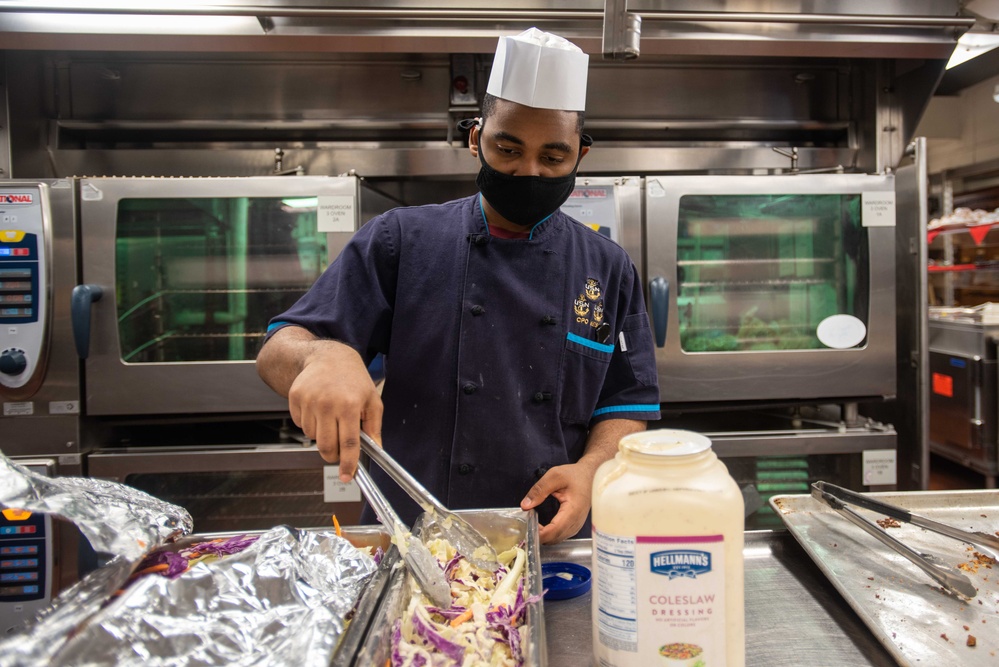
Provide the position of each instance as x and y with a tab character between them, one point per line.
598	311
581	306
592	289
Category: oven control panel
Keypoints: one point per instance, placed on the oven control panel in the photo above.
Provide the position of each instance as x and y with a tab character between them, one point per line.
23	288
26	561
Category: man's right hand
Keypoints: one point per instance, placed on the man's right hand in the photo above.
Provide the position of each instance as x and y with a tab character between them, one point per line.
330	393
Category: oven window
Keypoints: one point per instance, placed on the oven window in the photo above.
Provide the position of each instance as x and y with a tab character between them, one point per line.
198	279
762	272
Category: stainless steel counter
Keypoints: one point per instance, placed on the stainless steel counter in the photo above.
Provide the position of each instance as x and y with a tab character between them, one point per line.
794	616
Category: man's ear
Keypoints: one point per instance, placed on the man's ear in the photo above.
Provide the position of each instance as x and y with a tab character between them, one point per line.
473	141
583	151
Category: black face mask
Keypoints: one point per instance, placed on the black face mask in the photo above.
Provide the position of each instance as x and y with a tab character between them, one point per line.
525	200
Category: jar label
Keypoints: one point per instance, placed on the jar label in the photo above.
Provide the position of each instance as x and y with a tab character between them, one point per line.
661	600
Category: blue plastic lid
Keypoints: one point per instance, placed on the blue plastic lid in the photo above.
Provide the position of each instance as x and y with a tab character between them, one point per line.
564	580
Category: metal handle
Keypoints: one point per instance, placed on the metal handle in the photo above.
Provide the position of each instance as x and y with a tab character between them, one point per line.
83	298
981	539
379	503
952	581
866	502
659	298
400	475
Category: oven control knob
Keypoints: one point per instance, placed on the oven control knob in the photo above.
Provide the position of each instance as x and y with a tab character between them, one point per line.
12	362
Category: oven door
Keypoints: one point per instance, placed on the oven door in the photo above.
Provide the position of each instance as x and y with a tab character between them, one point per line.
188	273
772	287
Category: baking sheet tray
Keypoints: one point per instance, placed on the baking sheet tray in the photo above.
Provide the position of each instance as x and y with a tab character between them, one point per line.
916	620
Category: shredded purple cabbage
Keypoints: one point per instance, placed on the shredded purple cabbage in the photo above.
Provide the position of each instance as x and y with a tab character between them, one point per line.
452	564
233	545
176	564
435	639
378	555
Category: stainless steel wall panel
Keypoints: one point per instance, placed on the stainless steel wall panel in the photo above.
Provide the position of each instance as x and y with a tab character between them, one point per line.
173	89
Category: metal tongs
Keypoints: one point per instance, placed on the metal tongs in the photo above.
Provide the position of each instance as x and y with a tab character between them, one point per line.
836	497
463	537
425	568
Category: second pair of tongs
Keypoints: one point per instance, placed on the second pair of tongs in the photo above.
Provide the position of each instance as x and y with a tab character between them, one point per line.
837	498
988	543
463	537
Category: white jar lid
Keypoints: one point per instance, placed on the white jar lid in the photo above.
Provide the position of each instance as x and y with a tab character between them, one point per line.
666	442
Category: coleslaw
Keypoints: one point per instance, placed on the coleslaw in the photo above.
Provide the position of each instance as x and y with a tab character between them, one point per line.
484	627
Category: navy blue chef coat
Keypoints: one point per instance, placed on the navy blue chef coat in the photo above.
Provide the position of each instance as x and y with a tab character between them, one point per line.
496	364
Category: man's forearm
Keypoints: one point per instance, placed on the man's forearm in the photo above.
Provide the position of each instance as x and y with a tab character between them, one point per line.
287	352
601	445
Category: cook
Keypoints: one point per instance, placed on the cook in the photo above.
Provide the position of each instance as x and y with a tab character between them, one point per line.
517	347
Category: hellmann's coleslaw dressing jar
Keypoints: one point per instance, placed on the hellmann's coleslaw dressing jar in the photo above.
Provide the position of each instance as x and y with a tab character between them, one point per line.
667	556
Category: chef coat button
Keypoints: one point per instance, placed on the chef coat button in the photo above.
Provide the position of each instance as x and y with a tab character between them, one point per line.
481	240
548	319
466	468
469	388
540	472
542	396
477	309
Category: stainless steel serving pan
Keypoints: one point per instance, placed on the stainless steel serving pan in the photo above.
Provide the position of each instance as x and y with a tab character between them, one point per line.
504	528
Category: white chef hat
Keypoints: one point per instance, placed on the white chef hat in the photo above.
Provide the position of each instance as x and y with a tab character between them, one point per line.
540	70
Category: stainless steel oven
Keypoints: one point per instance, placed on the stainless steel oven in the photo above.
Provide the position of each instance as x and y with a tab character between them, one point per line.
772	287
180	278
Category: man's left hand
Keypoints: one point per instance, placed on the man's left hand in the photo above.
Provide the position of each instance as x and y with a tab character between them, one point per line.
571	485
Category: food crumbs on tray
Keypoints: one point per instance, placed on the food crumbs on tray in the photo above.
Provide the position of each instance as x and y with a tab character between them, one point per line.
972	641
943	635
870	578
966	628
888	522
978	560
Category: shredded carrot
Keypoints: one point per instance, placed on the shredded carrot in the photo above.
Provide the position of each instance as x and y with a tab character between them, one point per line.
461	618
162	567
388	662
336	525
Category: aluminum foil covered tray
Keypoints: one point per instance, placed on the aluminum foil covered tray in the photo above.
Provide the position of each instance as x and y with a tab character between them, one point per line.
280	597
284	600
916	620
504	528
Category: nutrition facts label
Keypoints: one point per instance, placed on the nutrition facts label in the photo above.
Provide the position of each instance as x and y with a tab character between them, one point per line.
617	606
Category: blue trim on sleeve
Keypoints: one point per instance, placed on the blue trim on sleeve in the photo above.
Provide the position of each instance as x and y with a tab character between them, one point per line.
648	407
585	342
275	325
